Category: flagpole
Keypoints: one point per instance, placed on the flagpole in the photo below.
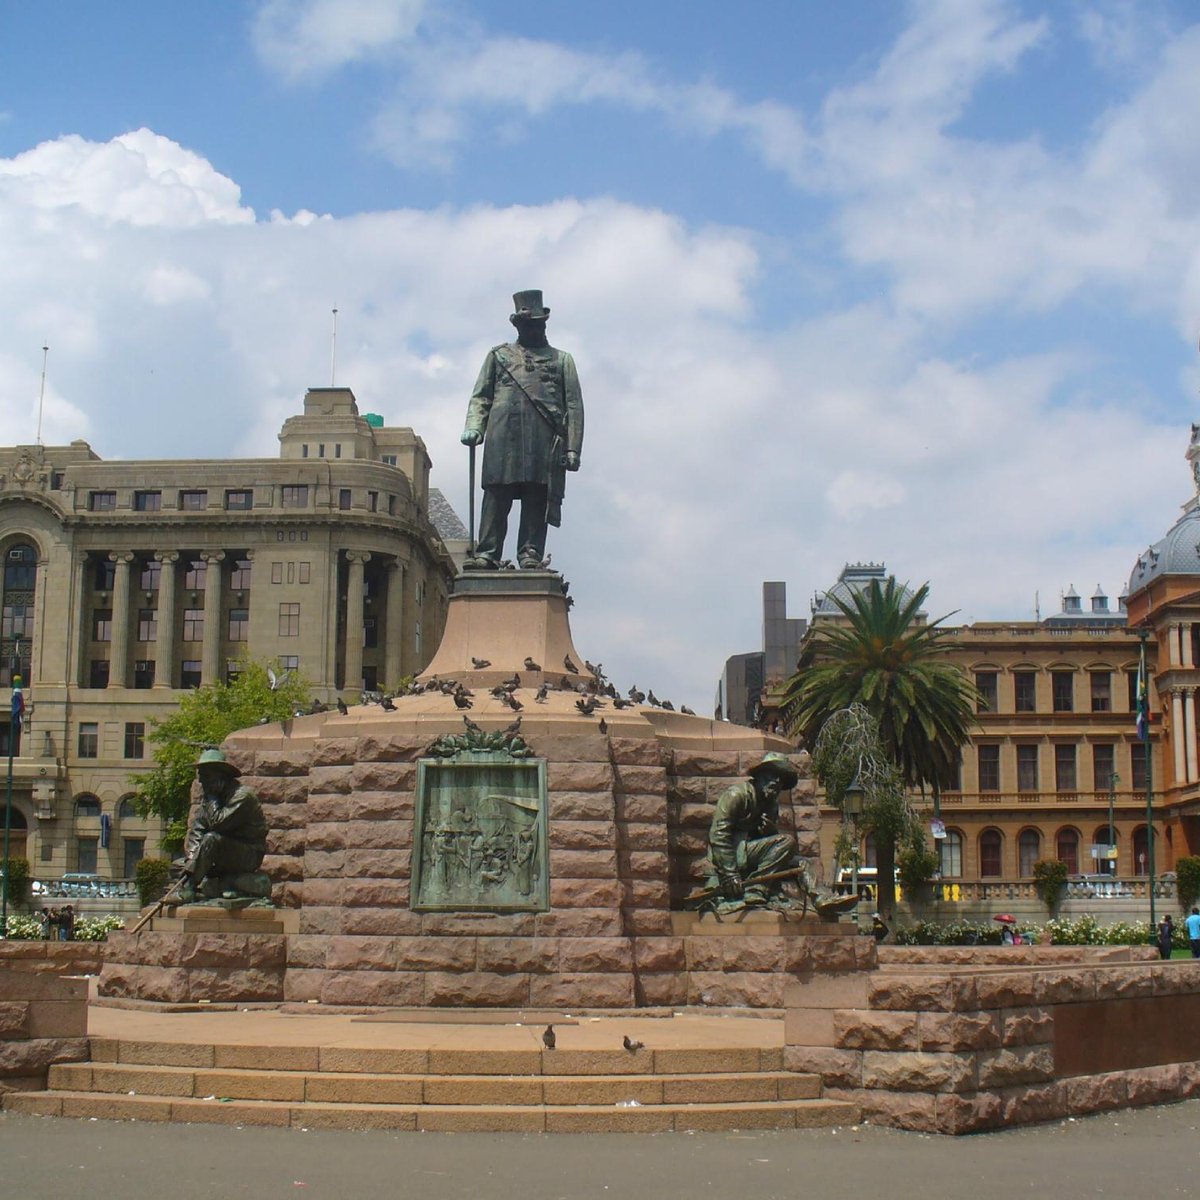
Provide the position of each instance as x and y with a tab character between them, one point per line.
17	707
1143	728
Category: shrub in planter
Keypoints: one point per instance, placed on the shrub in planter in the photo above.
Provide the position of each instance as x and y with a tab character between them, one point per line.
16	870
1187	880
152	878
1049	879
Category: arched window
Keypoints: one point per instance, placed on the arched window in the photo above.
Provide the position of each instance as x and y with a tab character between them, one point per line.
1066	849
16	613
951	847
1029	850
127	810
868	858
991	854
87	806
1141	853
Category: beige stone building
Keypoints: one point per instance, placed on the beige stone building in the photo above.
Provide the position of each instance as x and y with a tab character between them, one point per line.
125	582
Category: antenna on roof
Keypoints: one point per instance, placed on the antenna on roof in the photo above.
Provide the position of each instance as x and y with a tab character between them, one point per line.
42	393
333	354
1037	607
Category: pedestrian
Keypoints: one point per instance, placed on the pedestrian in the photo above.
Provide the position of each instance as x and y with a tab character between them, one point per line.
1193	930
1166	936
879	929
67	928
44	918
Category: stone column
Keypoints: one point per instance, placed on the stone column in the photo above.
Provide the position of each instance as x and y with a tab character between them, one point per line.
1189	725
164	663
118	665
393	654
1173	644
1178	735
1185	643
210	651
357	560
75	665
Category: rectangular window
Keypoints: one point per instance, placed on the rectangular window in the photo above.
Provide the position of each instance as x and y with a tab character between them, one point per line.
989	768
295	495
1101	691
135	739
85	853
189	673
289	620
57	479
239	624
106	571
143	673
1103	760
304	450
1027	768
151	575
239	499
147	630
277	572
291	572
1029	850
196	575
370	678
290	662
321	450
1063	688
102	501
1137	755
98	675
193	624
1131	684
370	633
89	739
373	501
390	459
986	686
16	621
991	851
1025	689
101	624
194	500
135	851
337	450
391	505
239	577
304	572
1064	769
233	668
344	499
147	501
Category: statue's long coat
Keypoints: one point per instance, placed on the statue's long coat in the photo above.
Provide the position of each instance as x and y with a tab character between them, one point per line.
520	445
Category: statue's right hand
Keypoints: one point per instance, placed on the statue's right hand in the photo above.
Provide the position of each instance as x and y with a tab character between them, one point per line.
471	437
731	886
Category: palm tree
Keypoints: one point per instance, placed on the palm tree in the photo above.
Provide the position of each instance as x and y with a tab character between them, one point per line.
893	664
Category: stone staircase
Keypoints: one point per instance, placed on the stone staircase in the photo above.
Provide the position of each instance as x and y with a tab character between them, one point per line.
330	1087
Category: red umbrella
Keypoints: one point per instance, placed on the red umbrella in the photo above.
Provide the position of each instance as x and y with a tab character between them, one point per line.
1006	918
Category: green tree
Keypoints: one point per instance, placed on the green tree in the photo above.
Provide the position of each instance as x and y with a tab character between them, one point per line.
892	664
206	717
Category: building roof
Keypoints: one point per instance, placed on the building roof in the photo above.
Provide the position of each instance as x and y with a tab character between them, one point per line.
855	577
1178	553
445	520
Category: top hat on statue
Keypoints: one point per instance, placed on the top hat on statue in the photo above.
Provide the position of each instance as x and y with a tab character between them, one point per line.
528	306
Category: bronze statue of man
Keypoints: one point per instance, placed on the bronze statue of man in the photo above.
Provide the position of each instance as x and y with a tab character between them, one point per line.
527	409
228	836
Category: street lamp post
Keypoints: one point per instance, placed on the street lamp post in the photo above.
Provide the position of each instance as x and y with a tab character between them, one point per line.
1112	801
1144	700
852	807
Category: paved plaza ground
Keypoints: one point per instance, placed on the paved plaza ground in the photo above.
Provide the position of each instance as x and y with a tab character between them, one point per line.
1150	1152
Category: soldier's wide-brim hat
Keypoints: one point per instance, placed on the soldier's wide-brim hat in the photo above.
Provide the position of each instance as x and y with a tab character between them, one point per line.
529	306
217	760
774	763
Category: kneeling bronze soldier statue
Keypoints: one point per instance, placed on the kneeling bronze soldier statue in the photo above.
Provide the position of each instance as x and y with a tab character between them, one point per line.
227	839
751	859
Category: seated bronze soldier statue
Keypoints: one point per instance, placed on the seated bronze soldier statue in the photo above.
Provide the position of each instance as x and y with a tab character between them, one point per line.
227	839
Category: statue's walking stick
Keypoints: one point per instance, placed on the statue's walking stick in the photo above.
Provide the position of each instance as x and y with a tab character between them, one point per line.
169	894
471	497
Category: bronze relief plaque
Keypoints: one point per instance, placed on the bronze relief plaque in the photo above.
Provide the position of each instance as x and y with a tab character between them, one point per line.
480	836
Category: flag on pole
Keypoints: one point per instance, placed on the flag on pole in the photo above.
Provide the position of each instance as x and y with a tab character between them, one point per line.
1143	698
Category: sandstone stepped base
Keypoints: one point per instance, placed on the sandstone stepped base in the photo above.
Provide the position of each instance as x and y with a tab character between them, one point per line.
465	1090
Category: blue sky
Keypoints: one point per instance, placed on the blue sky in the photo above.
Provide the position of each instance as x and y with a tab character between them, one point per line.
907	282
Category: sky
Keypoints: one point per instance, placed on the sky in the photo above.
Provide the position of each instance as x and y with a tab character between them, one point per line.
905	283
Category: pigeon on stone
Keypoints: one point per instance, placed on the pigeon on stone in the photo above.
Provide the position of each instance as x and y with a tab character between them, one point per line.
513	729
570	603
317	707
687	712
541	693
479	663
666	704
566	587
652	699
385	702
630	1045
471	726
499	691
548	1038
590	667
587	707
603	725
462	701
570	665
636	696
619	703
514	682
341	706
530	665
512	702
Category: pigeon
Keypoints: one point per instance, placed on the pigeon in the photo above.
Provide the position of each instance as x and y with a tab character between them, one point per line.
530	665
513	729
385	702
636	696
318	707
462	701
619	703
667	705
298	713
499	691
341	706
570	603
590	667
570	665
652	699
587	707
548	1038
687	712
514	682
566	587
630	1045
603	725
541	693
264	720
471	726
479	663
512	702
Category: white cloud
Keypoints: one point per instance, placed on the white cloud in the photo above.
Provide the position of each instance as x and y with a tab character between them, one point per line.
309	38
